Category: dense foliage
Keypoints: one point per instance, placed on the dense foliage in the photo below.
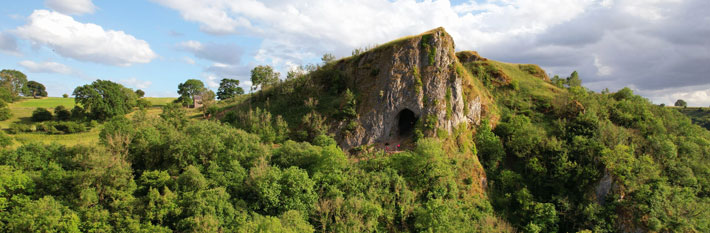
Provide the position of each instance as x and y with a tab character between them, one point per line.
603	162
188	90
34	89
14	81
103	99
229	88
153	175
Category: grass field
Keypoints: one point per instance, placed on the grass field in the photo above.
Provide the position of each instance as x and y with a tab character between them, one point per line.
22	111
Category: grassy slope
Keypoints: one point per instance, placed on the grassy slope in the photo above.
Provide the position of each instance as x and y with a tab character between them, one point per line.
22	111
699	115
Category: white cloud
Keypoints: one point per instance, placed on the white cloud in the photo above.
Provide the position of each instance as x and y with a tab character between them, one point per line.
651	45
134	82
211	80
602	70
696	97
222	53
85	42
46	67
296	31
71	7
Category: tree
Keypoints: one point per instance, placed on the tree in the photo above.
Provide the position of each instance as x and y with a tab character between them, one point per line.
140	93
104	99
43	215
207	101
681	103
65	95
263	76
34	89
190	88
13	80
228	88
573	80
327	58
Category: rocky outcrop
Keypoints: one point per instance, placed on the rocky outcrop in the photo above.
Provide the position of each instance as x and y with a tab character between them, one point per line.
469	56
417	74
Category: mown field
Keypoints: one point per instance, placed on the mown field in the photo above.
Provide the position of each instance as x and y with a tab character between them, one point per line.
22	112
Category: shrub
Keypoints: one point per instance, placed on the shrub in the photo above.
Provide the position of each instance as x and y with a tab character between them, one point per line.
77	113
5	140
143	103
4	111
65	95
19	128
41	114
62	113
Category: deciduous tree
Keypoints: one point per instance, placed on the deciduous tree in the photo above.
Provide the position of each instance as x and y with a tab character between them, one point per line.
34	89
13	80
263	76
229	88
104	99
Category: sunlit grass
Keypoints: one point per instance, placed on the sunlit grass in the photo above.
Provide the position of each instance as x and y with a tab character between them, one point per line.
22	112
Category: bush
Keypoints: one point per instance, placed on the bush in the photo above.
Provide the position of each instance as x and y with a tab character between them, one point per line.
143	103
41	114
4	111
5	140
19	128
62	113
65	95
65	127
77	113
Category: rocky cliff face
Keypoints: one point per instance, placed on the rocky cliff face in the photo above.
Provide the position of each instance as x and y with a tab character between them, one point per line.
405	85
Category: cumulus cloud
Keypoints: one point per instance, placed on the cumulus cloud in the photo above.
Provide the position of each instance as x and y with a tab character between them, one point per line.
71	7
222	53
46	67
649	45
84	42
212	81
8	44
134	82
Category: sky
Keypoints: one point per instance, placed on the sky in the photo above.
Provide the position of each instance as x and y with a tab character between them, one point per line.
658	48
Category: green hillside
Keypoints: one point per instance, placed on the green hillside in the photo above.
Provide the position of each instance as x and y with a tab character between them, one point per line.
22	111
699	115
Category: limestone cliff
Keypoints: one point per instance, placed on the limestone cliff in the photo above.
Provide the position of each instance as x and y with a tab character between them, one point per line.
408	84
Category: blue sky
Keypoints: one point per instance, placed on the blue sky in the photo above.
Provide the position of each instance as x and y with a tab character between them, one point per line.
658	48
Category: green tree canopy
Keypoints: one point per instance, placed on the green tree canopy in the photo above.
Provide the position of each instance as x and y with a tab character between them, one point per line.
262	76
140	93
104	99
573	80
34	89
13	80
228	88
190	88
681	103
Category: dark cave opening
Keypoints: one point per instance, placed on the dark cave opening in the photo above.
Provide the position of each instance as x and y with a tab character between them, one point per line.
405	122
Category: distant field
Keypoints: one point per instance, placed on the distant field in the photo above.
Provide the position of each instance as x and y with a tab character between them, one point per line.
22	111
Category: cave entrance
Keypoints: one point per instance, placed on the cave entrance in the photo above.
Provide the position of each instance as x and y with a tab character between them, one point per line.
405	122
